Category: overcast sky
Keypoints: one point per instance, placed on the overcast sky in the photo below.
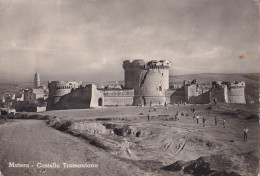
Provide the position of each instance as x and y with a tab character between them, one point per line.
89	39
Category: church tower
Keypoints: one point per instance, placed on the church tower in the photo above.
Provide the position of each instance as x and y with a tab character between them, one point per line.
36	79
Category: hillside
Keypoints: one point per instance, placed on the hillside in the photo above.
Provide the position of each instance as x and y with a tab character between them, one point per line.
208	77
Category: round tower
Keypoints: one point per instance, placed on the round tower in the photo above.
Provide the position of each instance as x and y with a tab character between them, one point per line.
36	79
57	89
150	80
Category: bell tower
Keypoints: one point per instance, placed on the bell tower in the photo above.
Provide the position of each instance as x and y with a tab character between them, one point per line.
36	79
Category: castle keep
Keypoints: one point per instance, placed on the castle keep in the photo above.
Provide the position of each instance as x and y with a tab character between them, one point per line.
146	83
150	80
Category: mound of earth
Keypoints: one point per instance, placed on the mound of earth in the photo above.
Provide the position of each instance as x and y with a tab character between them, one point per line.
89	127
123	130
215	165
53	120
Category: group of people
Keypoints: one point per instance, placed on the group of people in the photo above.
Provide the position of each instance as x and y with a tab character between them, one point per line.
196	119
181	103
216	122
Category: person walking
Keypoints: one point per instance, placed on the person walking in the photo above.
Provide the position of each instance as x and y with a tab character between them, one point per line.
166	106
215	101
224	123
216	120
194	118
177	116
204	121
245	133
148	117
197	117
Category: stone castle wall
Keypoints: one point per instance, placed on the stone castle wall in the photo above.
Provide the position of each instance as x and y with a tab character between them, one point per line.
86	97
150	80
80	98
122	97
197	94
176	95
219	94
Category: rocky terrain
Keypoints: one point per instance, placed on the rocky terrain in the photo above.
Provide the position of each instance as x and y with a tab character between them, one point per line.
161	146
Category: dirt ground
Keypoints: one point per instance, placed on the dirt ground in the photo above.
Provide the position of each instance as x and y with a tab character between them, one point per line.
136	146
31	142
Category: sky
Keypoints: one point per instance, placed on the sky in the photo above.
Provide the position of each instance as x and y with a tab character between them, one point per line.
88	40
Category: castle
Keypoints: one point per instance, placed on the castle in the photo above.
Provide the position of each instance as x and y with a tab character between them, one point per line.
146	83
228	92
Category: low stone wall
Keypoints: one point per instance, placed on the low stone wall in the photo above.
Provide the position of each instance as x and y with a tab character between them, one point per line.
118	101
117	92
147	100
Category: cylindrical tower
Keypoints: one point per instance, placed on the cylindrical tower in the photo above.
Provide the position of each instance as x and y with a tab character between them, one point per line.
57	89
150	80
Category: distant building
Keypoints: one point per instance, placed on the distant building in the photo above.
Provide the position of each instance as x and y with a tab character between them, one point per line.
19	96
32	95
33	99
6	111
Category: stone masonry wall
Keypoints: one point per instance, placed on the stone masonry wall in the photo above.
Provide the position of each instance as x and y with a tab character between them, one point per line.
122	97
219	94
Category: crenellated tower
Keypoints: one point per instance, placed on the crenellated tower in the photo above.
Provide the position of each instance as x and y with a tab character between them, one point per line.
236	92
57	89
150	80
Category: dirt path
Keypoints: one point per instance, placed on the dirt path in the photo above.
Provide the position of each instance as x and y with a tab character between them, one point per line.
31	142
